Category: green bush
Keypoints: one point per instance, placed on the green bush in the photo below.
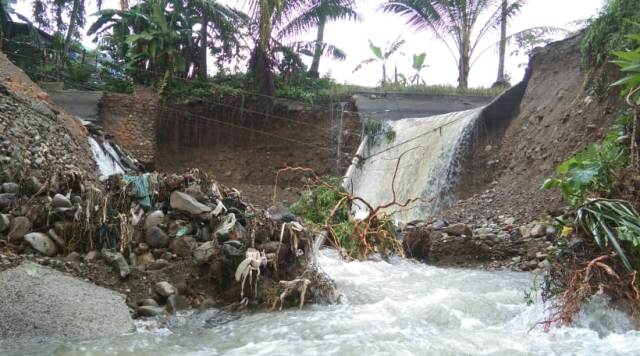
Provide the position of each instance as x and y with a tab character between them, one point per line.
608	30
592	169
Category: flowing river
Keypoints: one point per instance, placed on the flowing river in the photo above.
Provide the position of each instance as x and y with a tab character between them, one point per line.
395	308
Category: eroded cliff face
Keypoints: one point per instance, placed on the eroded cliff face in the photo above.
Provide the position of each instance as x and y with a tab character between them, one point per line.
560	113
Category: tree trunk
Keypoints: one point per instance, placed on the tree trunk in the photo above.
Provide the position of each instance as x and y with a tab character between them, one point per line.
73	20
384	75
503	44
124	5
202	66
261	68
464	64
314	71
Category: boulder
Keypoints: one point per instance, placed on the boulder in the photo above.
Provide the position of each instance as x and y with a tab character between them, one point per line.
183	246
41	243
146	259
158	264
204	252
60	201
5	222
117	261
417	243
149	302
73	257
91	256
185	202
10	187
6	200
164	289
40	304
156	237
151	311
153	219
60	242
458	230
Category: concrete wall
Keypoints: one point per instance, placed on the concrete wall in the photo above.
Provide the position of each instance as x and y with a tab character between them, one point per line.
83	104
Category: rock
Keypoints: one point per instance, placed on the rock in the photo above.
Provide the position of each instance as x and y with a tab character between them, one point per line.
158	264
544	265
41	243
231	251
5	222
143	247
40	304
60	201
417	243
117	261
439	224
164	289
146	259
516	259
73	257
204	252
10	187
185	202
153	219
539	231
60	242
458	230
183	246
551	231
149	302
510	221
281	214
6	200
171	304
156	237
525	231
151	311
91	256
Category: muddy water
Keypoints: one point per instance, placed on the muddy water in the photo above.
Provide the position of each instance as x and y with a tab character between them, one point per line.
397	308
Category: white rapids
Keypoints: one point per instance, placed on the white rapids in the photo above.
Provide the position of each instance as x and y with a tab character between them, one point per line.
106	157
395	308
430	151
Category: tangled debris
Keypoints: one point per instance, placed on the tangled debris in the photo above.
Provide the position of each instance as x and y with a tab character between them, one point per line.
143	231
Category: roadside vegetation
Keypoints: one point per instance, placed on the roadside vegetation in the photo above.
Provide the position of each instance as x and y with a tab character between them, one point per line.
196	49
598	250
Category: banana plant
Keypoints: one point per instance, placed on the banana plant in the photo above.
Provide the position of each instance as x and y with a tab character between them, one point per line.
418	65
382	57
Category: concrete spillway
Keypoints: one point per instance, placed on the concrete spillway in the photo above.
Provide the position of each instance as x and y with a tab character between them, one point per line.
422	162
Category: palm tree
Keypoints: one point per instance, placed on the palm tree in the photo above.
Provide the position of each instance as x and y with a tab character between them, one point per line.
382	57
453	22
506	10
316	14
219	19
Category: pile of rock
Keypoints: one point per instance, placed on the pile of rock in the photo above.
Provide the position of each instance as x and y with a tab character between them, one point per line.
188	221
490	243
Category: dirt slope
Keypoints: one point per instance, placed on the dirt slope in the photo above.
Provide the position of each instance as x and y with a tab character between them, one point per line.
558	116
36	132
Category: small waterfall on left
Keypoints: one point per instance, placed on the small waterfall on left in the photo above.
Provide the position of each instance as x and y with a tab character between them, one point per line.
110	158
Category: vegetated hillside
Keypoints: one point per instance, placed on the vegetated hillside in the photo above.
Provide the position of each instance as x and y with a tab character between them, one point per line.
37	137
561	112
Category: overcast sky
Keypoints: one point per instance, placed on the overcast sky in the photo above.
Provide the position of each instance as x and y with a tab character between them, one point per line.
382	28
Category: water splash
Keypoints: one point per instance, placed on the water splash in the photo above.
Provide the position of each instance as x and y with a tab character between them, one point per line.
106	158
431	155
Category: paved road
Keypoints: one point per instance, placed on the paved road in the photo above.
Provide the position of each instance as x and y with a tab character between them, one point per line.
400	106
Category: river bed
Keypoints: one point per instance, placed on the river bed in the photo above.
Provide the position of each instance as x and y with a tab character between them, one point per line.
395	308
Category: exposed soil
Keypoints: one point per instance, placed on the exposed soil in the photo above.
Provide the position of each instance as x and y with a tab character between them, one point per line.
558	116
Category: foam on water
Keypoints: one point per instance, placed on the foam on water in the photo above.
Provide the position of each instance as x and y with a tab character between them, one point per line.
393	308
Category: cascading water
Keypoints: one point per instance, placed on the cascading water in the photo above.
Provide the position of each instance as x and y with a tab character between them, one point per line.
392	308
106	158
429	149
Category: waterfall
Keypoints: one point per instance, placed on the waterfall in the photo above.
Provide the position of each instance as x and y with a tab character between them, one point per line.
429	151
106	157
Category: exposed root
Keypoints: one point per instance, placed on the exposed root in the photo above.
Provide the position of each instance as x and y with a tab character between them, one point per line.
297	285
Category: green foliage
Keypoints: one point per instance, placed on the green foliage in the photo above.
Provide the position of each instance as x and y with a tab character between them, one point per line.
374	128
317	202
607	32
609	222
629	63
592	169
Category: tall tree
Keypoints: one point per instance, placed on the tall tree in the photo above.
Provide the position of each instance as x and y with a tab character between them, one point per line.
506	10
316	14
453	22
